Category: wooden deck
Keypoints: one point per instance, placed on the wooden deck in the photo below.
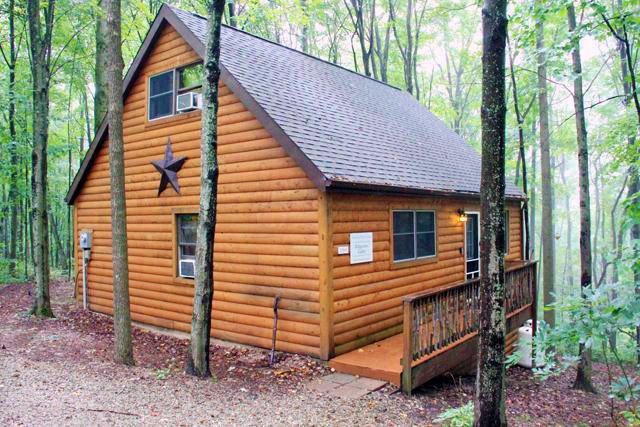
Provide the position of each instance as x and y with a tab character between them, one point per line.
380	360
440	333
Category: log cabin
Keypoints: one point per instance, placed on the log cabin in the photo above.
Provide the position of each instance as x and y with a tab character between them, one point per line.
340	195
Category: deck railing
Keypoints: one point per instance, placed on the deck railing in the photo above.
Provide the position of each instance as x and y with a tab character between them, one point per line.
441	317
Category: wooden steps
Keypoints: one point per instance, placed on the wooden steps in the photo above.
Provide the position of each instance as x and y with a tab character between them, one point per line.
380	361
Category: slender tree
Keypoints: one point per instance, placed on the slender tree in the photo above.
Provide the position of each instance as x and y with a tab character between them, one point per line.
490	384
363	29
583	378
11	61
548	244
100	78
40	36
119	249
629	85
198	358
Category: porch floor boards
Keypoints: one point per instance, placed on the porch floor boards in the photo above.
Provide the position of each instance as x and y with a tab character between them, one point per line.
380	360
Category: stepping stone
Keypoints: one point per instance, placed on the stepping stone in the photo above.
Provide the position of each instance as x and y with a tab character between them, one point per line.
340	378
368	384
345	386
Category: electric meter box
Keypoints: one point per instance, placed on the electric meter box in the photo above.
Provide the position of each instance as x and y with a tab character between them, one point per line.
85	239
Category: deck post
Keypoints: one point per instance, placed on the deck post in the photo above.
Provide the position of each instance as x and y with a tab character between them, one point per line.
407	346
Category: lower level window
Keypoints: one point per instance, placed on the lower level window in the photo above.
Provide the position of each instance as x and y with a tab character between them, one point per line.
414	235
187	245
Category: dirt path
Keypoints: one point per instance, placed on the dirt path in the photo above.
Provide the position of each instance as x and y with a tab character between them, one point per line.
59	372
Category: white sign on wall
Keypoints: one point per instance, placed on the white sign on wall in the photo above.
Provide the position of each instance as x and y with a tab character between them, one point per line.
361	247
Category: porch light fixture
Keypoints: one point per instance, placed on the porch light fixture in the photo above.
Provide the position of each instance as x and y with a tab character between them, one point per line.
462	216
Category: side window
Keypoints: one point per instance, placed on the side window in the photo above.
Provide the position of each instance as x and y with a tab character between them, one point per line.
414	235
161	95
186	244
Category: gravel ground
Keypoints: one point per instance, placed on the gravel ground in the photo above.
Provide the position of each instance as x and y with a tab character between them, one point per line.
42	393
60	372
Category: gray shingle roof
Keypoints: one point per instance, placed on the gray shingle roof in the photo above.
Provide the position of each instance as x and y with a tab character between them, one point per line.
353	128
344	129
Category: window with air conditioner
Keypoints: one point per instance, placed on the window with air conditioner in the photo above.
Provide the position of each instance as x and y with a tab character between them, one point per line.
186	225
174	91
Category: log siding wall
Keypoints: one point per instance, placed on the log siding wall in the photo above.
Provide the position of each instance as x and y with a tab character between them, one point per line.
276	234
267	235
367	297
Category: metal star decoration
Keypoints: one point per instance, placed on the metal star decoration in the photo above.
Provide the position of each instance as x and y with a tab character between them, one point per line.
168	168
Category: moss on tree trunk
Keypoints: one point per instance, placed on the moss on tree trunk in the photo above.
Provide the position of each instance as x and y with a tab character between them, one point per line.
490	384
198	357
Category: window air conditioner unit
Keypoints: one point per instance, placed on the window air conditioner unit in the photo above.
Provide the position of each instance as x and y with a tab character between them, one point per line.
188	102
187	268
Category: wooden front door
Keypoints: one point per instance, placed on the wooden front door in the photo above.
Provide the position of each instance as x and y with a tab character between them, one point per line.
472	245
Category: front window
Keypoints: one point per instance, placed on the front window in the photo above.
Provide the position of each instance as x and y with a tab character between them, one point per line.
161	95
414	235
187	245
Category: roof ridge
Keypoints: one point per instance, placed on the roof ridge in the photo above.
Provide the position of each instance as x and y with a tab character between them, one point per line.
293	50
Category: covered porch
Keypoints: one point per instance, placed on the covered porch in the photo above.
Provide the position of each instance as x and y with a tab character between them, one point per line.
440	330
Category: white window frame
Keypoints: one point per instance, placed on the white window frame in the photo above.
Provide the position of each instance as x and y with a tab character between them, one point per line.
179	245
415	234
466	270
173	94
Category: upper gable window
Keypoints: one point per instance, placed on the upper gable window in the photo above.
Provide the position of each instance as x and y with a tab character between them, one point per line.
190	78
161	95
164	87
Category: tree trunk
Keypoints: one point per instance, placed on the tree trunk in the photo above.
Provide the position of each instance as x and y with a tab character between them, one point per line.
548	245
40	45
13	143
231	7
490	384
533	195
119	249
583	378
521	160
198	358
304	36
100	77
631	95
568	260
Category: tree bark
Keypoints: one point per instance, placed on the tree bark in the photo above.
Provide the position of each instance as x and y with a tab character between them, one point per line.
100	102
304	36
548	244
119	248
233	19
13	142
521	159
198	358
583	377
631	95
490	384
356	9
568	260
40	45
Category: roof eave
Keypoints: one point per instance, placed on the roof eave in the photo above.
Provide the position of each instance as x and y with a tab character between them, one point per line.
347	186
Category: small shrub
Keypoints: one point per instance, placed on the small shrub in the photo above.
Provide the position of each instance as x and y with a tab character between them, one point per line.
162	374
457	417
